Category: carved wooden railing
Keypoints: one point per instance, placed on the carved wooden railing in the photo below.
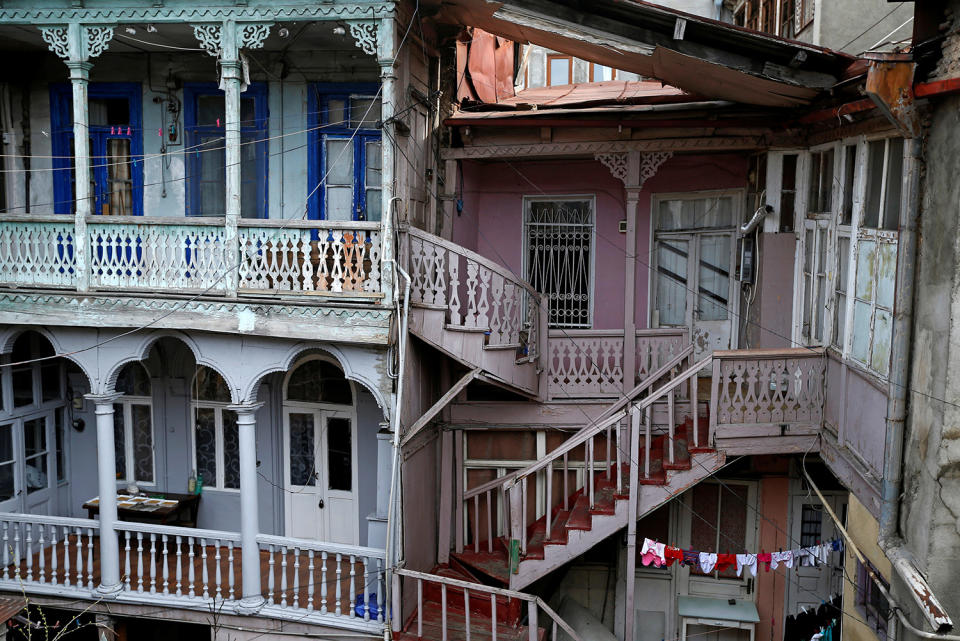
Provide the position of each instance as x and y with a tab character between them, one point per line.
484	598
612	430
589	363
768	387
167	254
475	292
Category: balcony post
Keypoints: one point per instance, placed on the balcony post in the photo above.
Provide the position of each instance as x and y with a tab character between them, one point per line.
107	486
388	78
76	44
232	76
630	285
251	594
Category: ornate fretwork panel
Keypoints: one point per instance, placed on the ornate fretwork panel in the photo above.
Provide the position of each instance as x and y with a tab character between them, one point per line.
651	162
208	35
251	36
92	41
365	33
617	163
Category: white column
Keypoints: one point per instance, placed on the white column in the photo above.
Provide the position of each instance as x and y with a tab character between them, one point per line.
79	79
252	596
232	76
630	291
388	79
107	486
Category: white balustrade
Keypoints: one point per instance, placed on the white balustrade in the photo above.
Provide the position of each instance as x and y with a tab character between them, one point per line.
589	363
152	256
310	257
49	552
307	576
38	252
476	293
191	255
768	387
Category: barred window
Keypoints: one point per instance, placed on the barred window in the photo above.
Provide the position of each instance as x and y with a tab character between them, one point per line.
559	257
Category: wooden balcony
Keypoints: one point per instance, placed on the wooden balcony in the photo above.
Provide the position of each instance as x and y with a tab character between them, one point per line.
306	581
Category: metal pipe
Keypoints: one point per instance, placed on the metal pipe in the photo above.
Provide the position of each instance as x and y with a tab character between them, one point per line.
900	343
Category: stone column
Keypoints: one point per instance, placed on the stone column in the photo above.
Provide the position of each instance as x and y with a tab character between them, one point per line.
107	486
252	597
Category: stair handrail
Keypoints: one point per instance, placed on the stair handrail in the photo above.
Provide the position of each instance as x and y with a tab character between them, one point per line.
533	601
588	432
466	253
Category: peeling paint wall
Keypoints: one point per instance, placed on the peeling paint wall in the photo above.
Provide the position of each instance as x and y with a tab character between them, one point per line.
930	508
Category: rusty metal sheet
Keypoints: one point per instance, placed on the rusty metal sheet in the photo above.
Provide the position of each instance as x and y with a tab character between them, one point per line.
611	91
489	66
710	79
890	86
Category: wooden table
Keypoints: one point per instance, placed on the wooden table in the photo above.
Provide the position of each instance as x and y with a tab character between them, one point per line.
183	514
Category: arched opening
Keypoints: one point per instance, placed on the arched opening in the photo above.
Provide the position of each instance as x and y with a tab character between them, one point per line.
34	412
320	468
215	440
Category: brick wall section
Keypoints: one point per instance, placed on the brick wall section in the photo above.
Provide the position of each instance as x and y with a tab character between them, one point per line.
949	64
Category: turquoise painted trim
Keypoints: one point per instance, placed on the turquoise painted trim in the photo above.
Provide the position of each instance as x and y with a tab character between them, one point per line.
179	11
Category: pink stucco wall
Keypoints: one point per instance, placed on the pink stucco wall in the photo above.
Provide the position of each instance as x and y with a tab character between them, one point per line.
491	222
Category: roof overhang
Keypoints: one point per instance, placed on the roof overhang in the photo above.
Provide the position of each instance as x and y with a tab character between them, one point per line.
701	56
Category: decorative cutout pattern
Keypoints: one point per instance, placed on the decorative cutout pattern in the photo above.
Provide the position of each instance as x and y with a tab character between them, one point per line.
499	151
310	260
770	391
98	39
585	364
38	254
477	293
650	163
252	36
153	257
365	33
57	41
616	162
197	13
209	37
657	346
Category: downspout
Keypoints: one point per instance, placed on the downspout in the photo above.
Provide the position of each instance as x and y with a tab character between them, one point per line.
392	527
889	538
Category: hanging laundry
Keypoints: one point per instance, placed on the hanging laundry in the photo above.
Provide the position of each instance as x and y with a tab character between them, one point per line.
765	558
726	561
707	561
671	554
748	561
823	553
785	557
652	552
691	558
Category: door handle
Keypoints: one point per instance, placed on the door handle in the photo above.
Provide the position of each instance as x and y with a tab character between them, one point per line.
320	504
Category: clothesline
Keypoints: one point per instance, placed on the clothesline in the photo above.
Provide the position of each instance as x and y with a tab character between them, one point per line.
660	555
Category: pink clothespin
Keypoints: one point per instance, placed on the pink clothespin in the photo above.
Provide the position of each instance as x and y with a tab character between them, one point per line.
111	130
128	130
160	132
218	122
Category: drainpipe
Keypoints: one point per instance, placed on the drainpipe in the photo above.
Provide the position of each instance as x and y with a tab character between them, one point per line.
393	521
897	395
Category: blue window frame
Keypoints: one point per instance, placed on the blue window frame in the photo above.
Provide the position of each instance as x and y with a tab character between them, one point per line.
116	148
349	165
203	113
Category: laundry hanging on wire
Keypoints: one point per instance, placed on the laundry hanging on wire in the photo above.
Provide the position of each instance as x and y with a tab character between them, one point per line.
660	555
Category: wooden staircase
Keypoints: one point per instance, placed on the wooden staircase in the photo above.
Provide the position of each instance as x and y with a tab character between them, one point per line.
576	525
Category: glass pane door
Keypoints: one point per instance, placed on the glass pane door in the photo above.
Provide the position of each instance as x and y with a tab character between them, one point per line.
672	286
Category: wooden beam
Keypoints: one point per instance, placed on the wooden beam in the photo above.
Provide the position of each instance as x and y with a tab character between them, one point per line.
439	405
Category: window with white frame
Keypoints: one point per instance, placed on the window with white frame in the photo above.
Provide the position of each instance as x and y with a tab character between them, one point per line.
216	439
847	248
133	426
875	255
558	256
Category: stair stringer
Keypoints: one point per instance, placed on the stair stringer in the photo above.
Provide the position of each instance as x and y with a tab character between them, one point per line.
467	346
703	465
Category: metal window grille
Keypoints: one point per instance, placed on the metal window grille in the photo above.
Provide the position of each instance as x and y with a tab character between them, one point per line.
559	257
